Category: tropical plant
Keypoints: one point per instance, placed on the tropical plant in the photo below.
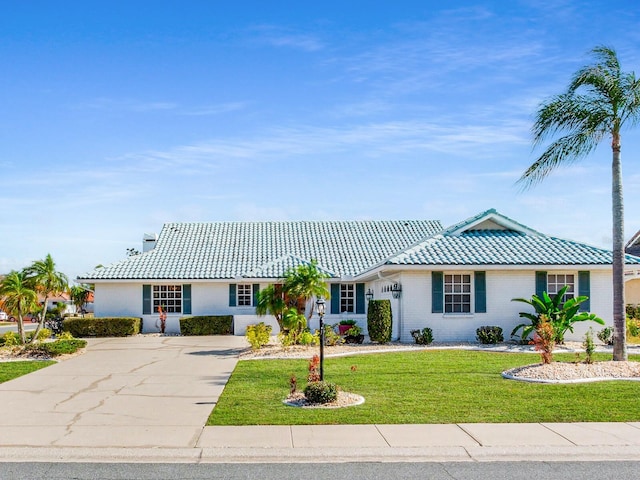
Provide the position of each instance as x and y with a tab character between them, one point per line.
17	298
43	277
258	335
560	315
544	339
304	283
599	102
589	346
79	295
271	302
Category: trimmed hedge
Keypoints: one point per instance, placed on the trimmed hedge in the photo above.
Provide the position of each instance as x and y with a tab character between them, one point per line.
57	347
207	325
102	327
379	321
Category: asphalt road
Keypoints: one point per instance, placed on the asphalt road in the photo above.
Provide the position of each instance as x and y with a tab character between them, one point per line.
335	471
14	327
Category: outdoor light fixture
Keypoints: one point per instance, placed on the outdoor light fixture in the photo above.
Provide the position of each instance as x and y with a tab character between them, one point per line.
396	288
321	310
369	295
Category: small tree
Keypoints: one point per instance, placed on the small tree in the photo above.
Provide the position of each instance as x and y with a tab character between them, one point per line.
79	295
43	278
17	299
379	320
304	283
271	302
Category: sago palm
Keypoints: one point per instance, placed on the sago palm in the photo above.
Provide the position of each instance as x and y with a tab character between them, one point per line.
601	100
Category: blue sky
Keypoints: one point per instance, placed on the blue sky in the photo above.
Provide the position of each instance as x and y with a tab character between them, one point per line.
119	116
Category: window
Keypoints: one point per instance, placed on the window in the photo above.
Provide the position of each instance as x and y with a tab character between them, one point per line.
457	293
347	298
245	295
169	297
555	282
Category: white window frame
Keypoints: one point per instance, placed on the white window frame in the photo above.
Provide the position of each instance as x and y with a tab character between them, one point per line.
244	295
168	296
459	288
347	298
560	279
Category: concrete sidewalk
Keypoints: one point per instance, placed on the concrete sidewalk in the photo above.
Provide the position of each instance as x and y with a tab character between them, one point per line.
147	399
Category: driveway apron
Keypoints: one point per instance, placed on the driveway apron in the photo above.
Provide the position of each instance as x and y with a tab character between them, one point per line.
142	391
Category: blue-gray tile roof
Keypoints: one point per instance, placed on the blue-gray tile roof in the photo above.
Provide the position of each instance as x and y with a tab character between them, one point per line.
228	250
503	247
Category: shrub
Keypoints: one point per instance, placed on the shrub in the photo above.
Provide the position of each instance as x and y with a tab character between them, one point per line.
314	369
589	346
258	335
57	347
65	336
287	339
321	392
207	325
10	339
102	326
633	327
422	337
43	334
379	320
606	335
308	338
331	338
489	335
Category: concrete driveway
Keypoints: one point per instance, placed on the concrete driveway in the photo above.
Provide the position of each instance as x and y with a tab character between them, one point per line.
143	391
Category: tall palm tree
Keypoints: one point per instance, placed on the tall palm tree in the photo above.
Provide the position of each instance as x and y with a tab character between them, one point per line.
43	277
600	101
17	298
306	282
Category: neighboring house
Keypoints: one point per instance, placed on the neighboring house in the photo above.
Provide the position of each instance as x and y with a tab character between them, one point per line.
452	280
632	277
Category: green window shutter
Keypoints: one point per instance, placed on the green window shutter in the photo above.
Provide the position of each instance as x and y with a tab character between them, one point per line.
437	292
335	298
541	283
256	290
146	300
359	297
186	299
584	288
480	286
232	294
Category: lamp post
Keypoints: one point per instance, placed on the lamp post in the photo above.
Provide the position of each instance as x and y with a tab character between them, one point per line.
321	309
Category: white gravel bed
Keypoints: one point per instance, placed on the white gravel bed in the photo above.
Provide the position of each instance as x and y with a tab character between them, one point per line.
566	372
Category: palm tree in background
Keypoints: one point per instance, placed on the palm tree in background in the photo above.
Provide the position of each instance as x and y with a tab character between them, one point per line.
43	277
601	100
17	298
306	282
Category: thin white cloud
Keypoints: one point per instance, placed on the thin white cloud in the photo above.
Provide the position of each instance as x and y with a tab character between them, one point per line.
278	36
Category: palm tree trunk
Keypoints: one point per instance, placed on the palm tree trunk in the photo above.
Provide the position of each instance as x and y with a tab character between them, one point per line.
40	320
619	320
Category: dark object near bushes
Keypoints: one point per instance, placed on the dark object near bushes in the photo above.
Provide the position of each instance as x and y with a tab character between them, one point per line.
606	335
102	326
207	325
321	392
424	337
379	320
58	347
489	335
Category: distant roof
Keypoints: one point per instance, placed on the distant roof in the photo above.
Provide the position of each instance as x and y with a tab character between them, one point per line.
236	250
228	250
633	246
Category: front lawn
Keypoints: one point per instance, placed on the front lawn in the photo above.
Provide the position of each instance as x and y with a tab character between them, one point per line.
11	370
433	386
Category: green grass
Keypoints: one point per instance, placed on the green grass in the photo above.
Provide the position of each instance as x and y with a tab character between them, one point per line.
436	386
11	370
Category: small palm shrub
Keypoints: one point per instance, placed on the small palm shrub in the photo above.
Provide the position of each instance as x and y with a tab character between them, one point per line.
589	346
489	335
258	335
321	392
422	337
606	335
379	320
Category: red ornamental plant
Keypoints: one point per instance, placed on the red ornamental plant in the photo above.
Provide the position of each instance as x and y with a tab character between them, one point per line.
163	319
314	372
544	339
